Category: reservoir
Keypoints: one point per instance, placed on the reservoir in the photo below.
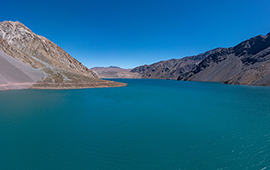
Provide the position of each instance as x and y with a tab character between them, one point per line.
148	125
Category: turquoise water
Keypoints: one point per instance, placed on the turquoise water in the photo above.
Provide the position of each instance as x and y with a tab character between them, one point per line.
148	125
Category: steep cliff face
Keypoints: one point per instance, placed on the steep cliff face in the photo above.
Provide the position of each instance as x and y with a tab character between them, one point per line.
61	70
247	63
171	69
115	72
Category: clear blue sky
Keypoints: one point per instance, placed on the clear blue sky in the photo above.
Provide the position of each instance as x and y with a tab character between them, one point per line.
129	33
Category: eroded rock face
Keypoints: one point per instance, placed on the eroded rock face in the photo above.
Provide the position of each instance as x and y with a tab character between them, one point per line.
171	69
38	47
248	63
61	70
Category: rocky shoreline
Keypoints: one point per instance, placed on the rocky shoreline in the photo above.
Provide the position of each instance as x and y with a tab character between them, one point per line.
59	86
77	85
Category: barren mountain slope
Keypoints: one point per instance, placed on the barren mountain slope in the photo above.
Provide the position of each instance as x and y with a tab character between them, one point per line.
247	63
170	69
61	70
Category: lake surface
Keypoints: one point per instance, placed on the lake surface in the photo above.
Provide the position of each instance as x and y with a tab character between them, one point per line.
148	125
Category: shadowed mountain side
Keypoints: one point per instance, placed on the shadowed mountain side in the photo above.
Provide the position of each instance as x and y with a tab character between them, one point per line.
15	74
61	70
171	69
115	72
248	63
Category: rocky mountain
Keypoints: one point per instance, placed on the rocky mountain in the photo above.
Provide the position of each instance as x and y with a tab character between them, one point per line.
61	70
248	63
171	69
115	72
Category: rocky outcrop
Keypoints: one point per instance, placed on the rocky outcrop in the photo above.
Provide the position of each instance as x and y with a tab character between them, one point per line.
247	64
171	69
61	70
115	72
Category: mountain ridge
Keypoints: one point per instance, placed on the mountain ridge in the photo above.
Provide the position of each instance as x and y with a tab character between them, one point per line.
246	64
171	69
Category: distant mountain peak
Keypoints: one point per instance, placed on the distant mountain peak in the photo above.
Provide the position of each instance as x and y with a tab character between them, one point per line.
115	72
114	67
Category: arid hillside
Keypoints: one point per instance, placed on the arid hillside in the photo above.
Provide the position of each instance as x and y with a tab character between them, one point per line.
171	69
59	68
248	63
